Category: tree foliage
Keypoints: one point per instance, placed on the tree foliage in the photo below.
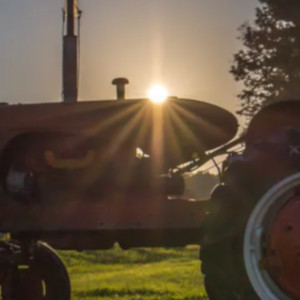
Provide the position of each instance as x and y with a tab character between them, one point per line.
269	63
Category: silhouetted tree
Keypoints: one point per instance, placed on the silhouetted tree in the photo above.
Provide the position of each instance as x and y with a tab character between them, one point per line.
269	63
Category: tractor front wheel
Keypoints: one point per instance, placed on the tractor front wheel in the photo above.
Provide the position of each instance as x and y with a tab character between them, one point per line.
40	277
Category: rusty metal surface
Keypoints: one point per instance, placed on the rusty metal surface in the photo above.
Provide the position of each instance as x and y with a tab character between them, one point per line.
179	127
87	178
282	255
73	211
274	117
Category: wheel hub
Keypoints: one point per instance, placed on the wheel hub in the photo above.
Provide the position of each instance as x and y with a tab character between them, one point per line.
283	253
272	242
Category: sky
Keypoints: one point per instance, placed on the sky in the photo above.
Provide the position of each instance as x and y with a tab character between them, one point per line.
185	45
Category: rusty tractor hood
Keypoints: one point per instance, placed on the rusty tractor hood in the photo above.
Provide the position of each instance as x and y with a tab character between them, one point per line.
173	131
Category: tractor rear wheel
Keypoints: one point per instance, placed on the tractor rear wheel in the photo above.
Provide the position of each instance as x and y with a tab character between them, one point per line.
271	244
221	253
251	247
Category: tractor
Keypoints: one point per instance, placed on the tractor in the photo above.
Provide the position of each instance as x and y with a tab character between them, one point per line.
85	175
88	174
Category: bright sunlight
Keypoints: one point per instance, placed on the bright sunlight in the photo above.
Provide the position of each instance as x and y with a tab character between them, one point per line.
157	94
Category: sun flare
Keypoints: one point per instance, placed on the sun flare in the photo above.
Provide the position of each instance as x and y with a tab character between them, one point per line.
157	94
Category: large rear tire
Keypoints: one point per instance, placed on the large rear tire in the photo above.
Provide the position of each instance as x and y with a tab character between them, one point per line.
250	246
221	253
271	243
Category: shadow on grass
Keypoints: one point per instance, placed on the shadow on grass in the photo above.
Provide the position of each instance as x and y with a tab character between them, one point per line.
106	292
137	255
113	292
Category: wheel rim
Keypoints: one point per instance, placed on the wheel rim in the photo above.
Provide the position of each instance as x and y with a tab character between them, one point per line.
270	245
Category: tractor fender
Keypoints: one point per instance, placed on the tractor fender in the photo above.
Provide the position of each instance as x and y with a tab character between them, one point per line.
272	118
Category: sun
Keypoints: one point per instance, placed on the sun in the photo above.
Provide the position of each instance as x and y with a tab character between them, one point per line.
157	94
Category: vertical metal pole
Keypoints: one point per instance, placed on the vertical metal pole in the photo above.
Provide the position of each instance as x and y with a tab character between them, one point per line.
70	17
70	59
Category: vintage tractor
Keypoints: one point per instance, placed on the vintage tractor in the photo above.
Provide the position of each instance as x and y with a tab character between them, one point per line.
84	175
88	174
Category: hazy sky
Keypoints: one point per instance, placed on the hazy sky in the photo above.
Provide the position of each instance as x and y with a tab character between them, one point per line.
186	45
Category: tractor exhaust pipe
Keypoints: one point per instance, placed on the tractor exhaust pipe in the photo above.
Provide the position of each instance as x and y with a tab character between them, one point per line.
71	16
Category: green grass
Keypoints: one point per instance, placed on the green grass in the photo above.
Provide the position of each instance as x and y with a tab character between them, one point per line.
143	273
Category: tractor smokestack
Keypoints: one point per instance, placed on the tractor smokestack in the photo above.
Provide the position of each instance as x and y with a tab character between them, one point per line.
120	83
71	18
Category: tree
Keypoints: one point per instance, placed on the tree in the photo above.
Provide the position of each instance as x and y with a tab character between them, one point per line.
269	63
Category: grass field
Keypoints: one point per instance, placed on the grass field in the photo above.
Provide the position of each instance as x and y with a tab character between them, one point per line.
144	273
